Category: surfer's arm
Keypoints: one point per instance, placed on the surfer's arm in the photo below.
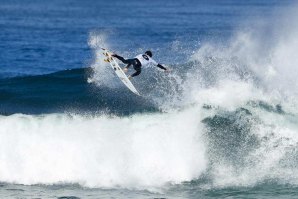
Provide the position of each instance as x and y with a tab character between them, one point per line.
157	64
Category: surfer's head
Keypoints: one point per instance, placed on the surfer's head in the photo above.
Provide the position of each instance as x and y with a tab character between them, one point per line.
149	53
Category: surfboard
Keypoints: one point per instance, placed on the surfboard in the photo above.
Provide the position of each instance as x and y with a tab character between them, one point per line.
119	72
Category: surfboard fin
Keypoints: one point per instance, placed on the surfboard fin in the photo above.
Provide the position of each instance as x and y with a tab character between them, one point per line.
105	54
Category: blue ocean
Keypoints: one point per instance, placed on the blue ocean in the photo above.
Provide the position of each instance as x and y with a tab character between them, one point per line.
223	123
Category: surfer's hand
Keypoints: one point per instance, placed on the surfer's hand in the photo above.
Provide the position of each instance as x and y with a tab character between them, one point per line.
168	70
125	69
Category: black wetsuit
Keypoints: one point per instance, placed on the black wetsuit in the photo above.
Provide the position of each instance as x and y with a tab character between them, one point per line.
136	63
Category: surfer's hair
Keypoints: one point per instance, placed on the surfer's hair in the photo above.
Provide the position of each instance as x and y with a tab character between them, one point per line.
149	53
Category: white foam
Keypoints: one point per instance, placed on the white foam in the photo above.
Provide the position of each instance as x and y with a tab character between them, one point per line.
139	151
272	61
272	160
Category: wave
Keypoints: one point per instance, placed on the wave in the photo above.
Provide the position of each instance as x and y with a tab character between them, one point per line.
206	144
235	134
227	117
66	91
142	150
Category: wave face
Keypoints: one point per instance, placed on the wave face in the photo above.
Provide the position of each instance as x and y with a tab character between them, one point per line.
225	118
66	91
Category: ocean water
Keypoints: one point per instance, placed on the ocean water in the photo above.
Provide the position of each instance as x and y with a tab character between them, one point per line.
222	124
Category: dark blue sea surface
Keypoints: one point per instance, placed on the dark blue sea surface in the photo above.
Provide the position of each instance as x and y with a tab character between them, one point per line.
222	123
39	37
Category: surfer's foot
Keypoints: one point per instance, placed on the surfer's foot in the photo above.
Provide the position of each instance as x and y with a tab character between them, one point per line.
129	77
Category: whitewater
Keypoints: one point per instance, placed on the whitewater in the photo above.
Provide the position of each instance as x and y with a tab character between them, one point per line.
224	119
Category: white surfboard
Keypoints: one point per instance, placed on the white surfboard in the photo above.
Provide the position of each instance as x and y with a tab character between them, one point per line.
119	72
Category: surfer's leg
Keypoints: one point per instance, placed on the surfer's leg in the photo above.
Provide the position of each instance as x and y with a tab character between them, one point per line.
129	63
138	70
125	61
136	73
125	69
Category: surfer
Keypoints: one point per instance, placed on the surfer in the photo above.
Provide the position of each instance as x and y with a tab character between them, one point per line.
139	61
